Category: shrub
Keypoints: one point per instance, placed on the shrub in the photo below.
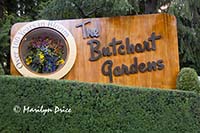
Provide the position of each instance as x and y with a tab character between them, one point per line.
187	79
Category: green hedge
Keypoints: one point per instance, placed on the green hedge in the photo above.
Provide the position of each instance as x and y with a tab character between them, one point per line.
188	80
95	107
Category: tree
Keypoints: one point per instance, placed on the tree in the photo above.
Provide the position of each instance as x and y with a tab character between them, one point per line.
62	9
5	26
12	12
22	7
188	19
83	8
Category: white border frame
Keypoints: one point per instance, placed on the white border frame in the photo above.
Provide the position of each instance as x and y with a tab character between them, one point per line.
15	45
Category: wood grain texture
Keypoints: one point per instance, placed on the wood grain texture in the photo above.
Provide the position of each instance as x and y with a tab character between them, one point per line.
138	29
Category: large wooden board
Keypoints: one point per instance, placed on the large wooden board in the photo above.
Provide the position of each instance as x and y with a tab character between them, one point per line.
137	29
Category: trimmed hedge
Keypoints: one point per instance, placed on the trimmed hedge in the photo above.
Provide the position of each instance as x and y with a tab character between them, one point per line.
95	107
188	80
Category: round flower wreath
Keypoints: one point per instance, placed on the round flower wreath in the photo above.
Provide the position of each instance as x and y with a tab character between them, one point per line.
45	54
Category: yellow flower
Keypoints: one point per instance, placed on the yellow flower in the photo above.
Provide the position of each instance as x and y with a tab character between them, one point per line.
28	60
41	56
61	61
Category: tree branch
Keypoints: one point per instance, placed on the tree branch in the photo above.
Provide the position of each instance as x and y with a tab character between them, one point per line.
80	9
83	14
168	7
93	11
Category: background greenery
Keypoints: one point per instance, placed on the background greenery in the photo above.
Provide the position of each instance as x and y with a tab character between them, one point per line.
187	13
95	107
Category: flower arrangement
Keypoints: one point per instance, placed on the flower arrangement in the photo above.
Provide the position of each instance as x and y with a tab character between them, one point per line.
45	54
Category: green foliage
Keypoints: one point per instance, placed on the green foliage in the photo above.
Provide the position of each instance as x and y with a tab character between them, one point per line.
83	8
95	107
1	70
12	12
5	27
22	7
188	19
187	79
62	9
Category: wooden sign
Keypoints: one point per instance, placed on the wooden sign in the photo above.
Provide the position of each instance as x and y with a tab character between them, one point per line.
127	50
